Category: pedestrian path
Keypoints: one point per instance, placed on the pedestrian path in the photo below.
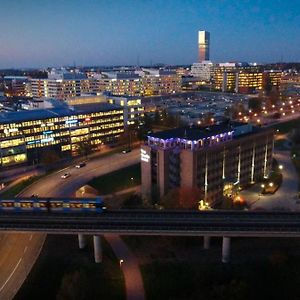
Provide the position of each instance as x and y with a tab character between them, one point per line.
130	267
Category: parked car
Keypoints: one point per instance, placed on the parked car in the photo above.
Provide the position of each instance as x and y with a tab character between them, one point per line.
126	151
66	175
80	165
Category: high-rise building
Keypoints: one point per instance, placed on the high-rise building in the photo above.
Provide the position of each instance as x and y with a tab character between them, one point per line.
203	45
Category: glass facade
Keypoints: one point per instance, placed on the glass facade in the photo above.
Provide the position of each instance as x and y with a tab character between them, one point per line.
21	140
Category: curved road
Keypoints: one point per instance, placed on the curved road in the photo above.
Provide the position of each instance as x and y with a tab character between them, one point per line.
18	252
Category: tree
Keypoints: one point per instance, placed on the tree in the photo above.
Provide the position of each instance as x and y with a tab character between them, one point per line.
133	201
84	147
255	104
75	286
182	197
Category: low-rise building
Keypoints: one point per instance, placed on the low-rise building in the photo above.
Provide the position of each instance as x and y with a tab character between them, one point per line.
16	86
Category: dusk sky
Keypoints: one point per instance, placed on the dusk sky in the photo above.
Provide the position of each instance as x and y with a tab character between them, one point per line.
37	33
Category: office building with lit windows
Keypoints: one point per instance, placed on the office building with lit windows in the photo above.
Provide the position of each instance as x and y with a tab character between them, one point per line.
133	108
242	78
214	159
203	45
27	135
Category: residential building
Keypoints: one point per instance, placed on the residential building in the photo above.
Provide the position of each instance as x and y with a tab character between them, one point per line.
212	159
62	85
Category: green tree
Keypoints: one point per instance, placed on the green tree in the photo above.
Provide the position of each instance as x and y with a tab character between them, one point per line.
84	147
133	201
255	104
75	286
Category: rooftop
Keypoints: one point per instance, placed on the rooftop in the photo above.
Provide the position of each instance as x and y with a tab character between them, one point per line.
197	133
37	114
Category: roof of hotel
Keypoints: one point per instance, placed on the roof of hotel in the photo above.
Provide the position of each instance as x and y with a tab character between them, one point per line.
37	114
197	133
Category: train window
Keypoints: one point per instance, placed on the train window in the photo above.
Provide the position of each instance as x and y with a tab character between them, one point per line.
7	204
26	204
76	205
66	205
42	204
56	204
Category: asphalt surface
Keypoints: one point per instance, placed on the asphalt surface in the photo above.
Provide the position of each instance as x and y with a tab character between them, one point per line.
21	250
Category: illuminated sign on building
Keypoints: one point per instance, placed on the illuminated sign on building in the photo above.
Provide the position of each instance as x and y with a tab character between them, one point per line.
48	132
145	156
71	121
47	140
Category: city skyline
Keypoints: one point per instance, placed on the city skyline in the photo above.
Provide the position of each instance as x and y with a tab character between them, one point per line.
36	34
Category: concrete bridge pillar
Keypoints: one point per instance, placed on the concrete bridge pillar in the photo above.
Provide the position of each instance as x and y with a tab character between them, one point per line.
97	248
81	241
206	242
226	250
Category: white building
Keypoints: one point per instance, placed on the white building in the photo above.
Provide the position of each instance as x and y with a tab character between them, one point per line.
203	71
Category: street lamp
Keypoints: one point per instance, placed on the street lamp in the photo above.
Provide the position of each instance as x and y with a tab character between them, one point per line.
121	262
262	186
280	167
271	184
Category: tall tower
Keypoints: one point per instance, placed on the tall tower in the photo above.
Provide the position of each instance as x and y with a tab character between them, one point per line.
203	45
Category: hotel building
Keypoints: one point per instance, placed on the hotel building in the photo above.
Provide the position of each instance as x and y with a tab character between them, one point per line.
212	159
25	135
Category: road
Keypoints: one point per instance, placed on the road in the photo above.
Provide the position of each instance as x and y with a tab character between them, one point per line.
21	250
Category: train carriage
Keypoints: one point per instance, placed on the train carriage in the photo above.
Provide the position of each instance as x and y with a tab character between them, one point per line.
52	205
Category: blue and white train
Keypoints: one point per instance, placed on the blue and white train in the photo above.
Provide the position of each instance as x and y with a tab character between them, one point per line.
53	205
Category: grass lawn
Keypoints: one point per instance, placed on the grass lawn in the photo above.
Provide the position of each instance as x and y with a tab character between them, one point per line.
287	126
59	261
118	180
19	187
260	268
247	281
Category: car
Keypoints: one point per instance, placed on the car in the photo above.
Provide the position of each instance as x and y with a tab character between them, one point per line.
126	151
80	165
66	175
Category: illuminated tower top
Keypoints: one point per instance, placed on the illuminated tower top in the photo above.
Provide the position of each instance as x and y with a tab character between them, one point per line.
203	45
